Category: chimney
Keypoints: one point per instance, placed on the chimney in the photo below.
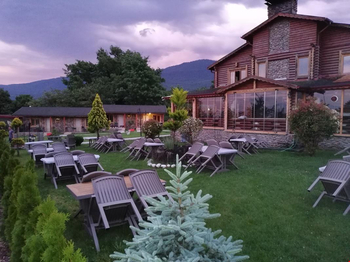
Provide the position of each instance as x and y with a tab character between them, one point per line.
281	6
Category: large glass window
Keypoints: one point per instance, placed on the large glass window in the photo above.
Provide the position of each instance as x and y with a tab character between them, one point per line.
262	111
303	66
346	64
211	111
238	75
262	69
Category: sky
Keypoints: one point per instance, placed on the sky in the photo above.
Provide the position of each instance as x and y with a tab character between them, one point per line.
38	37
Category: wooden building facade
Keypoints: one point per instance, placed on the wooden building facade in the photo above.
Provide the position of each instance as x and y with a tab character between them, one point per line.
286	58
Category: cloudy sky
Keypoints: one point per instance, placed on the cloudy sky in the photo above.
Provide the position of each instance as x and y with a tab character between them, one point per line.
37	37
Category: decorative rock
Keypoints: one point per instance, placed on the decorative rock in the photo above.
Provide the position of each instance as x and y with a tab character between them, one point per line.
168	165
163	166
149	164
158	165
173	165
153	165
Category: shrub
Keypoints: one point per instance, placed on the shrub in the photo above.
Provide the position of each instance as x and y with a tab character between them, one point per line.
191	128
3	131
97	118
312	123
69	255
27	200
152	128
79	140
16	123
17	143
176	230
4	158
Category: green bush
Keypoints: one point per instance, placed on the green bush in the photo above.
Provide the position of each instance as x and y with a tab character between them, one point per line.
191	128
27	200
312	123
79	140
3	167
152	128
17	143
3	131
69	255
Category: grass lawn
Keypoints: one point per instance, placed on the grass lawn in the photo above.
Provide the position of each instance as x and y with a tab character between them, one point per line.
265	203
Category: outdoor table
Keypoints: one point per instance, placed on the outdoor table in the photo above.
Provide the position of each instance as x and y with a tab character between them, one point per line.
49	163
153	147
239	142
322	168
91	139
84	193
47	142
48	150
223	153
114	142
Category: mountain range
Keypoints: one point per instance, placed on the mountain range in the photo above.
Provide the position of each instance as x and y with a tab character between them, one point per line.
189	75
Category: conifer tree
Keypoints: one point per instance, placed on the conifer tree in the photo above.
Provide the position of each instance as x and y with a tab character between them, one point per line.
34	242
12	207
5	155
54	239
97	118
28	199
69	255
176	230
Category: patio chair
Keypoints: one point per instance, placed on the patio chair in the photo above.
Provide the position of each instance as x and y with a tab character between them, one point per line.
335	180
115	205
126	172
138	150
346	149
130	147
70	142
39	152
77	152
147	183
65	167
157	140
122	143
192	153
149	140
89	163
251	144
93	175
225	144
59	147
209	159
211	142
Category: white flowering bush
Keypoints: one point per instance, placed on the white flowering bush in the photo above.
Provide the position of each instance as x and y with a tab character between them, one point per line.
191	128
152	128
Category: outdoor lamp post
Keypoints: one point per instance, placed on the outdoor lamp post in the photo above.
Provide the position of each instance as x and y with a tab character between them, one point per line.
139	114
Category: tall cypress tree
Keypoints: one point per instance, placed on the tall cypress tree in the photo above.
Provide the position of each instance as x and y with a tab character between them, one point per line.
97	118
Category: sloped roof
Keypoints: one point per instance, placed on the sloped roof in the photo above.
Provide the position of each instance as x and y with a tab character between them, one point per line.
297	16
228	55
325	83
262	79
204	93
83	111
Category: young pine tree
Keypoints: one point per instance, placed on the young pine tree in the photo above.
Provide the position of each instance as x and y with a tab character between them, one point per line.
97	118
28	199
176	230
4	159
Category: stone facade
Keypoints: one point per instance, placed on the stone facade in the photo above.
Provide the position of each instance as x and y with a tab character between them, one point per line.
279	37
282	6
274	140
278	69
336	142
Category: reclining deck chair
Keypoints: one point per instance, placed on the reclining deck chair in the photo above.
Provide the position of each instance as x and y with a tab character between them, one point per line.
227	145
192	153
130	147
212	142
59	147
138	150
89	163
147	183
39	152
113	205
209	159
65	167
335	180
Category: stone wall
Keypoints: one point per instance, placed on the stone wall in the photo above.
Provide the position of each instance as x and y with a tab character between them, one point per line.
278	69
274	140
284	6
336	142
279	37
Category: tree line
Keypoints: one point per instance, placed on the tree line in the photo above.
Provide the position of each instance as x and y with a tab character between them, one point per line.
119	77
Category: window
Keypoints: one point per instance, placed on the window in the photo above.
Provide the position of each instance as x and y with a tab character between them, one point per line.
238	75
345	64
261	69
303	66
263	111
211	111
34	121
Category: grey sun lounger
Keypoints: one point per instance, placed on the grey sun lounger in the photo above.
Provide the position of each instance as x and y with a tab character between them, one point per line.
209	159
192	153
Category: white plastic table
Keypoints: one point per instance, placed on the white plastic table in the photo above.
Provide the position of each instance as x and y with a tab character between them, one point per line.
239	142
223	153
47	142
114	142
90	138
153	147
48	150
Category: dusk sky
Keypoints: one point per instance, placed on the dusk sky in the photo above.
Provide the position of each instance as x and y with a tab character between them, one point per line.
37	37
